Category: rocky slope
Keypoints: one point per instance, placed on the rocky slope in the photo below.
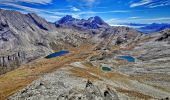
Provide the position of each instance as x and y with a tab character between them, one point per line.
165	35
68	88
145	79
31	35
22	32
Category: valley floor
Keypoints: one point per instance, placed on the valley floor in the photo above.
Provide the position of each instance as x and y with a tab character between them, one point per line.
79	76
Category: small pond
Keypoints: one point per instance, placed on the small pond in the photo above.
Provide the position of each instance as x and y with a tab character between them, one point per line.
106	67
57	54
128	58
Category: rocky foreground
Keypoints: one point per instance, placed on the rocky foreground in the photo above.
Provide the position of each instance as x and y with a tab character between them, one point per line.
145	79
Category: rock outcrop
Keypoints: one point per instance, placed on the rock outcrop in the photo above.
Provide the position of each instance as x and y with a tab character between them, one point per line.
22	32
91	92
165	35
5	61
60	85
12	61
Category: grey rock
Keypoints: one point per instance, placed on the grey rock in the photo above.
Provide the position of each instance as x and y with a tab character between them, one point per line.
32	35
165	35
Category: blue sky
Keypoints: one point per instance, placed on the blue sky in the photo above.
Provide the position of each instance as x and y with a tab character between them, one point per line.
112	11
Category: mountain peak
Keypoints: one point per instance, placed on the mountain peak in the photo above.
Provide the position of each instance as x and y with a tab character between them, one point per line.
91	23
22	21
66	19
97	20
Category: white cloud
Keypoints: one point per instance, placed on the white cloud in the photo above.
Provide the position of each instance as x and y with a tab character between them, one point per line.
158	19
37	1
117	21
22	7
154	20
135	17
75	9
82	3
159	3
51	18
141	3
56	17
76	15
49	15
150	3
31	9
103	12
28	1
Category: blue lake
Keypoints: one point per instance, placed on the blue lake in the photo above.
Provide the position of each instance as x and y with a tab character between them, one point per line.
128	58
56	54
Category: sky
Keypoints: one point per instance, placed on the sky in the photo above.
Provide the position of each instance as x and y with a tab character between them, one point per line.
113	12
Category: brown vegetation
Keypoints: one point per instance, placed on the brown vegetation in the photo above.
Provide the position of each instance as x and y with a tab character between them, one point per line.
15	80
132	93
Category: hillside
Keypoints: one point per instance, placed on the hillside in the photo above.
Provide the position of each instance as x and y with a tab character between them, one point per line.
103	63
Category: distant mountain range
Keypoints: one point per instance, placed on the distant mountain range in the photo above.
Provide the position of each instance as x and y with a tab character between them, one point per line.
154	27
96	22
148	28
91	23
